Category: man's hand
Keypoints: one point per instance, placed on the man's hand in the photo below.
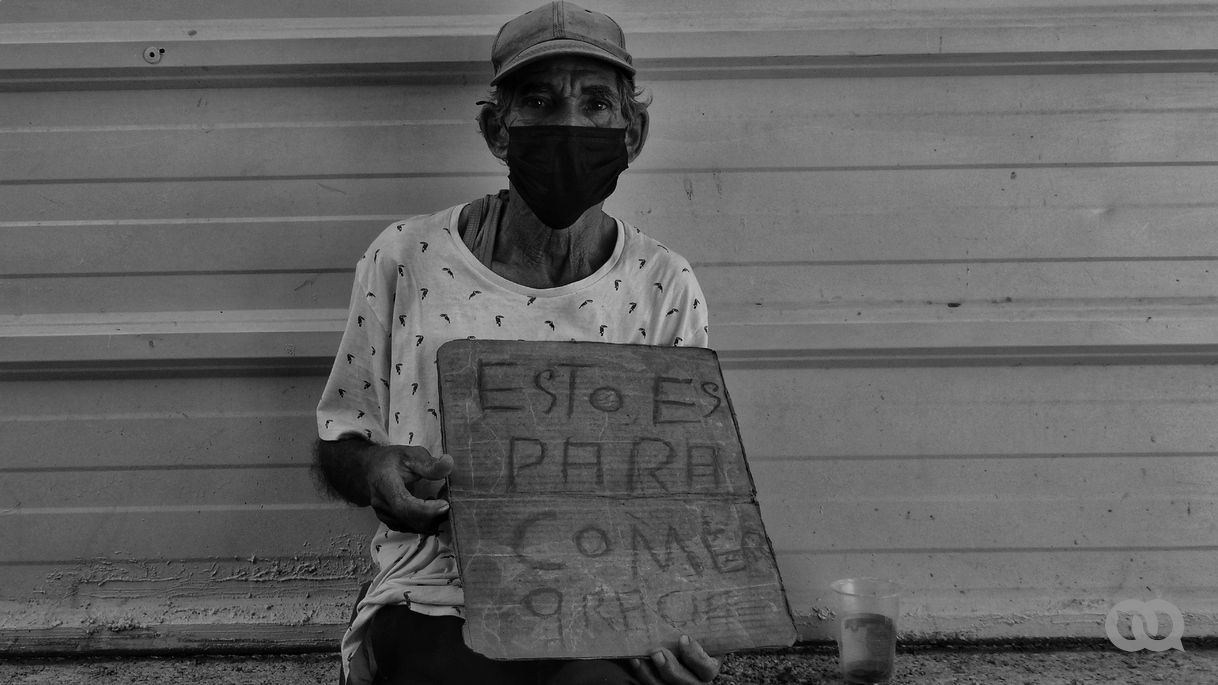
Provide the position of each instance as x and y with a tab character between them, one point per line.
395	473
395	480
691	666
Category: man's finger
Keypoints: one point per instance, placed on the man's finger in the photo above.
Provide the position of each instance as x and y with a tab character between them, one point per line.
643	672
671	670
399	509
425	515
413	515
701	664
426	466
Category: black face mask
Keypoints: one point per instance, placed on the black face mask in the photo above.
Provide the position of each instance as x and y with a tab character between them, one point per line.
561	171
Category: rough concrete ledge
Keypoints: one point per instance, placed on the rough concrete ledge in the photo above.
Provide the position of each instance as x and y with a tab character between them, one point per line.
1022	663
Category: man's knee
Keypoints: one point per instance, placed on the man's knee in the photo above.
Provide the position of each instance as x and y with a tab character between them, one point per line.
592	672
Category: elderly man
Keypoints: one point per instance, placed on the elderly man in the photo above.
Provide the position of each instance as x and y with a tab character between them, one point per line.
539	261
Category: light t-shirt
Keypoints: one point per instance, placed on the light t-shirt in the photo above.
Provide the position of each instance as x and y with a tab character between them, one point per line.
419	286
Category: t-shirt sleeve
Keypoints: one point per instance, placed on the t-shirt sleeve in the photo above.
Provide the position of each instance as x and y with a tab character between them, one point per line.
684	319
356	397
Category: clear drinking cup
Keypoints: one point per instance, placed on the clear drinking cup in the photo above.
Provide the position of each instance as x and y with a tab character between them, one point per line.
867	629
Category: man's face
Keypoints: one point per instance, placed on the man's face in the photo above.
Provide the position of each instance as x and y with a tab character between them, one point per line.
567	91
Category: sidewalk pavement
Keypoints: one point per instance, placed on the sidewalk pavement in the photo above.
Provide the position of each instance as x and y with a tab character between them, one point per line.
965	664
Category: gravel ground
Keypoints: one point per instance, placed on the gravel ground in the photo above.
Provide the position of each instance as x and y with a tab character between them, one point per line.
938	665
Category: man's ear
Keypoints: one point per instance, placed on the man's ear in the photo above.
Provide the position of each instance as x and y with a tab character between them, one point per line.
636	135
494	132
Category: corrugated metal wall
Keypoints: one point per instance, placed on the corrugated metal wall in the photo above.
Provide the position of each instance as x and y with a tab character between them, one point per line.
960	260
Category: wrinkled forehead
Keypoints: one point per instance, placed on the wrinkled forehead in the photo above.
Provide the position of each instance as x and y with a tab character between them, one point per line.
567	71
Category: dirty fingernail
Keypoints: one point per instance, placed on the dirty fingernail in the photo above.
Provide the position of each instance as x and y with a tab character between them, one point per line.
658	658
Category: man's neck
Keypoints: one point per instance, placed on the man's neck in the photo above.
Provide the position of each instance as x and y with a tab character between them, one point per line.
532	254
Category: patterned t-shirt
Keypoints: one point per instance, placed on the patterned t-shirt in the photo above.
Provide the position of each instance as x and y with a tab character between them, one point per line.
417	287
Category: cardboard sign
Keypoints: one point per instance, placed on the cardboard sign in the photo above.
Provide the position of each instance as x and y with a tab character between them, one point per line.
601	503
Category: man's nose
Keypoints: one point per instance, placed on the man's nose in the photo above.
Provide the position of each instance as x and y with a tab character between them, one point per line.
568	113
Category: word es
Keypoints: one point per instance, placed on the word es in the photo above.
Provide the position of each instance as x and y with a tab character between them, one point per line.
506	386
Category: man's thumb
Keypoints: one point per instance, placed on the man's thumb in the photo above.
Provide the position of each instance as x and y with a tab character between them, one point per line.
434	468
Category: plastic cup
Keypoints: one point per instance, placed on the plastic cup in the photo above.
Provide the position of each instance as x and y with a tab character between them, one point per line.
867	629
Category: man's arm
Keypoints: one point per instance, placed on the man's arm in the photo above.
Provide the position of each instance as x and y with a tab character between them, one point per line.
383	477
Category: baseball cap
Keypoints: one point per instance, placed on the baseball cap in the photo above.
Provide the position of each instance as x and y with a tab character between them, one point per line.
558	28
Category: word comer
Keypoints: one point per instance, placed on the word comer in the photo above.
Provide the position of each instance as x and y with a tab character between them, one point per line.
642	448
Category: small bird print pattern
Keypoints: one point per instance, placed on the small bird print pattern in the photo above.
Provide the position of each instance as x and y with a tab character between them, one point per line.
419	275
417	287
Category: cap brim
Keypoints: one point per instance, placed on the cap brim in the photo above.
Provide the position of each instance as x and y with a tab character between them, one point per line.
557	48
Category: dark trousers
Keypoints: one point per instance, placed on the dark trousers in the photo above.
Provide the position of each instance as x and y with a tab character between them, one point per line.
412	648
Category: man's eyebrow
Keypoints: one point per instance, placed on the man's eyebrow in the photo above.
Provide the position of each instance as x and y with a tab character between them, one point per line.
536	87
601	91
545	88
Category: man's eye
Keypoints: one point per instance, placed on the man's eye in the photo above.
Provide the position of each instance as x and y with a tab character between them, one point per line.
534	103
599	106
